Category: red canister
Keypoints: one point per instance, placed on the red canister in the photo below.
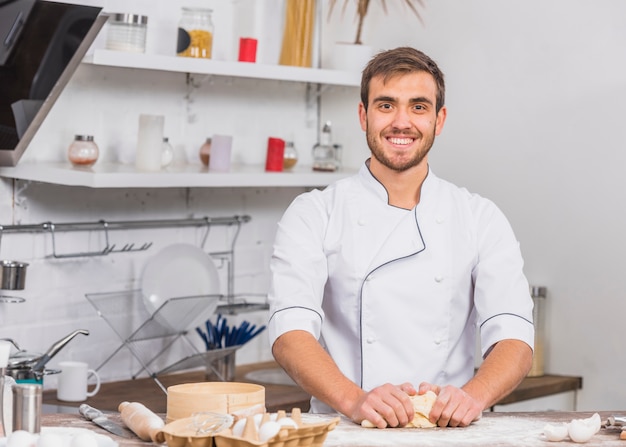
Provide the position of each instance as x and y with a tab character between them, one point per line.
247	49
275	154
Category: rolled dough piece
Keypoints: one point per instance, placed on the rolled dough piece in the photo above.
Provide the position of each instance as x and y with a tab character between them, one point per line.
422	404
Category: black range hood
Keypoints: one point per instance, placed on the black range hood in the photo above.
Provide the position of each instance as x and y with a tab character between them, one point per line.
41	44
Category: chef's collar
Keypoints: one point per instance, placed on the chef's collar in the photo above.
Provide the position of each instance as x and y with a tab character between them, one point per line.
377	188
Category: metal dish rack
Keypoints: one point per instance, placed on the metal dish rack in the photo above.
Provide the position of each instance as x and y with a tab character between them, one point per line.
126	314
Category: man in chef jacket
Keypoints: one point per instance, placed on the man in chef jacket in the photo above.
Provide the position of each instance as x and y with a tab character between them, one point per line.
381	280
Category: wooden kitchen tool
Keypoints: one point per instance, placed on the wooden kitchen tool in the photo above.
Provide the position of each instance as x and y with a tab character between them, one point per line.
219	397
143	422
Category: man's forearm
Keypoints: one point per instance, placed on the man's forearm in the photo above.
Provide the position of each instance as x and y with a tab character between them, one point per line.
310	366
501	372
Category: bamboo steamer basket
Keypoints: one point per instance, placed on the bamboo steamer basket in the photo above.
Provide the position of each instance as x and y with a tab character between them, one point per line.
219	397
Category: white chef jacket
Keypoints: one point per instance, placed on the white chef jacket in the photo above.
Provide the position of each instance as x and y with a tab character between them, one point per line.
396	295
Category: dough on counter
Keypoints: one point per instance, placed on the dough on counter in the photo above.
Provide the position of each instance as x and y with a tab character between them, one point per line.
422	404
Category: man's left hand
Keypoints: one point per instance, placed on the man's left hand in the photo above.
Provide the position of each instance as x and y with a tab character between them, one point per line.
453	407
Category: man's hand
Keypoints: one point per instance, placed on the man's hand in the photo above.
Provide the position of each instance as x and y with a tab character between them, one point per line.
385	406
453	407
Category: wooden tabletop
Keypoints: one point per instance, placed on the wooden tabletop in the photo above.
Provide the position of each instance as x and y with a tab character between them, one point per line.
277	397
494	430
146	391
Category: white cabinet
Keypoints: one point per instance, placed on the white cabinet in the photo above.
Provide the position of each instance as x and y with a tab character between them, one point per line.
115	175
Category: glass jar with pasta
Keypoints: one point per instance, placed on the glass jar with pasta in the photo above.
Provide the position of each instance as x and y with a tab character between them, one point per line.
195	33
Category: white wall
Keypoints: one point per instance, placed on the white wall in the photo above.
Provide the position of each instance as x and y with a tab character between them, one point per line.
535	96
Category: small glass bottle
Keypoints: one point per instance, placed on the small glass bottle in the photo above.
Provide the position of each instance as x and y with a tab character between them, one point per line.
195	33
83	151
338	155
539	300
205	152
290	157
168	152
324	158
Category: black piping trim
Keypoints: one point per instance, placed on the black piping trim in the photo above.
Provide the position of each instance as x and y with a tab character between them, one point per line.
361	292
505	313
296	307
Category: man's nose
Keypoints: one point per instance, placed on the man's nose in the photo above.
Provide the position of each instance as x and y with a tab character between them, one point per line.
401	119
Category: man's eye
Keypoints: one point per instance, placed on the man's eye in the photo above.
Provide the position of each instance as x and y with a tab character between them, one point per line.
385	106
418	107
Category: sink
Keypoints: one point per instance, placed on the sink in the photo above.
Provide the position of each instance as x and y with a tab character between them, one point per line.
273	376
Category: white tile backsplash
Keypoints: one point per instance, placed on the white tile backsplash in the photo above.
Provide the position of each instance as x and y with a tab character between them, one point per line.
55	288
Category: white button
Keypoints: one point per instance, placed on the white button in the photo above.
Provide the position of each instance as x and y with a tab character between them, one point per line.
370	340
361	222
438	278
369	278
437	342
439	220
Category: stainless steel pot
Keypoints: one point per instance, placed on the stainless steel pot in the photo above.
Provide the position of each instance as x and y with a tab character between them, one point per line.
12	275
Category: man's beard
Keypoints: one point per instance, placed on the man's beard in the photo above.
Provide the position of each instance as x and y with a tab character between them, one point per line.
399	165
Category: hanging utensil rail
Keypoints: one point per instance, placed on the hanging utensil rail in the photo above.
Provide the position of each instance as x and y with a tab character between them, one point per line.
105	226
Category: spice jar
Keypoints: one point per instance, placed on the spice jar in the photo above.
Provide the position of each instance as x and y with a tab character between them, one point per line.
195	33
83	151
290	157
205	152
127	32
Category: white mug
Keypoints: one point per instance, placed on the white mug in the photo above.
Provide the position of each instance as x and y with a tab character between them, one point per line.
72	385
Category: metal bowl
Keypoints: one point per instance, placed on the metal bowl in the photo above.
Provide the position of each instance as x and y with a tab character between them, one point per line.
12	275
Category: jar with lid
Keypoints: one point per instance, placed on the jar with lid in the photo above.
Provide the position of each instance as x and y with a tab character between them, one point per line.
290	157
324	158
83	151
539	300
127	32
195	33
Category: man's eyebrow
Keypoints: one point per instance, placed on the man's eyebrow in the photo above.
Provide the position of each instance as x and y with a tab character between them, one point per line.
419	99
384	99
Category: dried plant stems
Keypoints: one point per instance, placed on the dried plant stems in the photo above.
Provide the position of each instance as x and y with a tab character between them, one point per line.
362	8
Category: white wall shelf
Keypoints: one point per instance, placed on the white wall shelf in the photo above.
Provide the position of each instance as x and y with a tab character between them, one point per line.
112	175
223	68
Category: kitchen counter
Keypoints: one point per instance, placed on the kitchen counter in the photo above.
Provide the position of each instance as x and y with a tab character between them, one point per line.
277	396
494	429
146	391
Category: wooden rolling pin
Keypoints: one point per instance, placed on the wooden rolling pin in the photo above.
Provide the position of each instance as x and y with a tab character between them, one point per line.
142	421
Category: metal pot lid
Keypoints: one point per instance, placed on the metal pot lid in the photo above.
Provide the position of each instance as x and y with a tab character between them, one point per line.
23	359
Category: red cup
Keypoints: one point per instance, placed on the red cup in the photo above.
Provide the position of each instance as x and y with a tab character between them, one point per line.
275	154
247	49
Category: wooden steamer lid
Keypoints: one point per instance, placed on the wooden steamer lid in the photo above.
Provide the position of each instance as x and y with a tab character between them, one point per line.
220	397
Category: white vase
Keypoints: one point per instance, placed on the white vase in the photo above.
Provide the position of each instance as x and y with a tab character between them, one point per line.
349	56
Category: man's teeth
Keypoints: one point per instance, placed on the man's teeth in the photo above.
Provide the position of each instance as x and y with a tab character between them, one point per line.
401	140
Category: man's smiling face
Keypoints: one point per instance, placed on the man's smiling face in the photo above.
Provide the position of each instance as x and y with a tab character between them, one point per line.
401	120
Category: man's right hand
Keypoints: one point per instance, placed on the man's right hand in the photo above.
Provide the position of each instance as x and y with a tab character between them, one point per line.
385	406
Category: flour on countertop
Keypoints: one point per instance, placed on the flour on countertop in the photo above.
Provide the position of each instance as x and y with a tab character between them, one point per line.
513	431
